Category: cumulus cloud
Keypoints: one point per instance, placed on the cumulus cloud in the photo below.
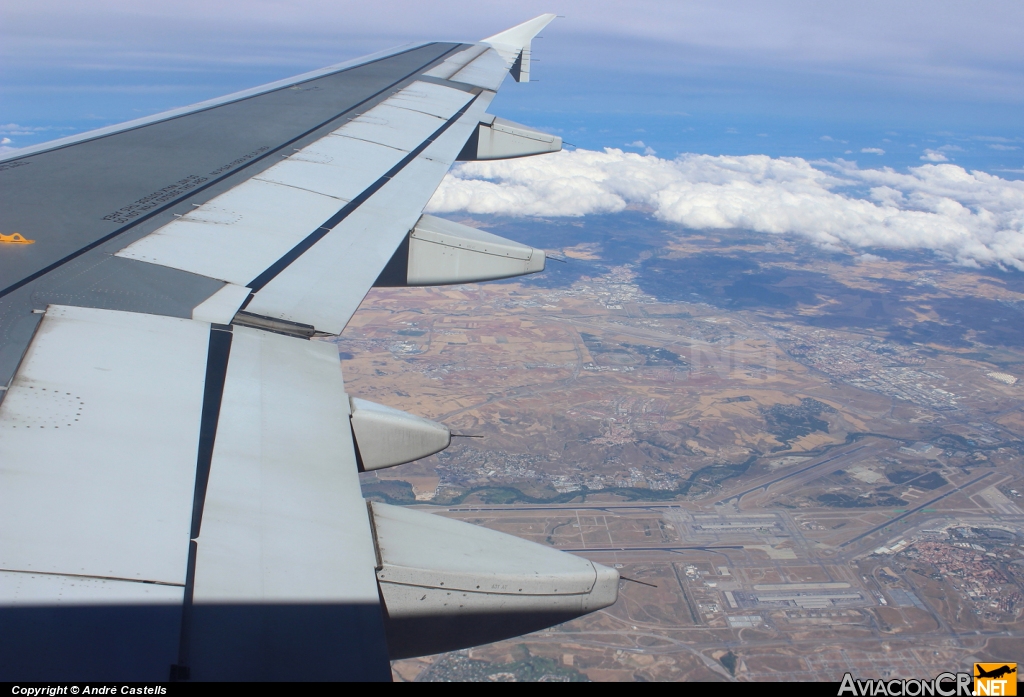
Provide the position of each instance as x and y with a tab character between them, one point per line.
648	150
873	151
934	156
970	217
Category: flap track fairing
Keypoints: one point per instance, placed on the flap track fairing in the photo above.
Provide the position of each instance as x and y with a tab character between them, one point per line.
385	437
441	252
447	584
499	139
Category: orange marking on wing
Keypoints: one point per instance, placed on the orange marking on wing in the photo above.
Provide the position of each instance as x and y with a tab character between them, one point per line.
16	238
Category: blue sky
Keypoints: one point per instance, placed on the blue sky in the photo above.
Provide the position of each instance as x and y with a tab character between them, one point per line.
876	82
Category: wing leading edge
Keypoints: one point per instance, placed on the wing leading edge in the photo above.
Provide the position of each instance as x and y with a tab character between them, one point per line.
180	489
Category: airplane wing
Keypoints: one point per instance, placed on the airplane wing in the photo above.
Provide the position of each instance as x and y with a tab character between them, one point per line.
179	493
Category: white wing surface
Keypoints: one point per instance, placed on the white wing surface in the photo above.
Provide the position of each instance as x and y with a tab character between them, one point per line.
179	462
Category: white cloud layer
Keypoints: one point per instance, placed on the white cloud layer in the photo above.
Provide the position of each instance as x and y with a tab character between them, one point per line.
973	218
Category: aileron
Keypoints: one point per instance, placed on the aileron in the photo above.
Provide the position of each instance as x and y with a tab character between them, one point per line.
457	62
322	287
488	70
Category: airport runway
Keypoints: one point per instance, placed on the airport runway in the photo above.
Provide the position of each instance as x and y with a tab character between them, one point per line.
789	475
914	510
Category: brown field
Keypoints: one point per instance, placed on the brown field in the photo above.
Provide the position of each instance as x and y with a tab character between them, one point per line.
630	416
